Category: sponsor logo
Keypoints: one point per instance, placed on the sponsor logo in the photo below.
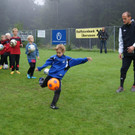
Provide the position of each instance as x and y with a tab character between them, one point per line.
58	36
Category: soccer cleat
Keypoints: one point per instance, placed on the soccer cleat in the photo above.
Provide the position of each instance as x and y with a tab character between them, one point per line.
54	107
33	77
133	88
120	89
41	81
28	76
18	72
12	73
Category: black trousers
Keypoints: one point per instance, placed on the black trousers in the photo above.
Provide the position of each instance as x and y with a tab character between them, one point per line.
15	61
56	93
5	55
31	69
103	43
1	60
126	62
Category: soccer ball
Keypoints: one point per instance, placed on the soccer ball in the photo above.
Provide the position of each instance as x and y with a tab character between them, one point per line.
13	43
5	66
46	71
53	84
1	47
31	48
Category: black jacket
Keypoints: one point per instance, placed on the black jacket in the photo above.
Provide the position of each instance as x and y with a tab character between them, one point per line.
102	35
128	35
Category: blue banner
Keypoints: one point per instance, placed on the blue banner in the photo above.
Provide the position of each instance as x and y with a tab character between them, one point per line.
58	37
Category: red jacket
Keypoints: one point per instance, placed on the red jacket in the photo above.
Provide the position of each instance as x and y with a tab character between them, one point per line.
4	44
7	46
16	49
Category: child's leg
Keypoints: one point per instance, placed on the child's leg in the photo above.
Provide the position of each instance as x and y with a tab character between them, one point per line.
29	70
13	62
8	54
17	58
56	96
10	60
5	58
44	82
2	59
32	66
1	62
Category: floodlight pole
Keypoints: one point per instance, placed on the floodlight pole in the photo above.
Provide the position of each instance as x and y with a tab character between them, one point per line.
114	37
57	4
57	13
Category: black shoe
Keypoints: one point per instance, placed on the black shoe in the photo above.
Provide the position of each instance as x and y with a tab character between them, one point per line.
120	89
41	81
54	107
133	88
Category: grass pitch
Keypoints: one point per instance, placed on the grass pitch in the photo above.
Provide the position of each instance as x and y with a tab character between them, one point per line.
88	103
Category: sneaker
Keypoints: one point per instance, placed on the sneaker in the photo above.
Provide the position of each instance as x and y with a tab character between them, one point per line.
18	72
33	77
28	76
120	89
54	107
12	72
133	88
41	81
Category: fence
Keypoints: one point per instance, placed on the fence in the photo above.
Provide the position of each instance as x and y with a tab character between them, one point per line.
88	43
73	42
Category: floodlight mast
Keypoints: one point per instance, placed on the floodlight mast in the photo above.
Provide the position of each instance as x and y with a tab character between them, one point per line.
58	1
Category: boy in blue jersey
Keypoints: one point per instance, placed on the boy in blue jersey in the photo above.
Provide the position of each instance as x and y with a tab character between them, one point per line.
31	56
59	66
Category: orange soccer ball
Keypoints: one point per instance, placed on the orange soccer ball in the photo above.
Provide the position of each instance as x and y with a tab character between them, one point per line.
53	84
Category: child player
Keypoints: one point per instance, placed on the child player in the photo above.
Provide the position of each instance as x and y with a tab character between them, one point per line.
3	42
60	64
31	56
7	49
15	52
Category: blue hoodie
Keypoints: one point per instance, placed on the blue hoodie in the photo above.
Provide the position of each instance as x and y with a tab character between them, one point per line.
60	65
32	56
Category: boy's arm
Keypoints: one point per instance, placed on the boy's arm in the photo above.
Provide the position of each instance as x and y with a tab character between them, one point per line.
74	62
47	63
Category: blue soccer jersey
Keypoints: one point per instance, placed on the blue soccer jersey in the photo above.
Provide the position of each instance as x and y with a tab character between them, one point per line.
60	65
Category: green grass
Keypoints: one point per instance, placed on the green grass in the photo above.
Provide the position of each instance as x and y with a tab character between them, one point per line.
88	103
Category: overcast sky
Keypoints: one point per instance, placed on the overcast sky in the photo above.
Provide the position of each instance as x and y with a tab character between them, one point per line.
39	2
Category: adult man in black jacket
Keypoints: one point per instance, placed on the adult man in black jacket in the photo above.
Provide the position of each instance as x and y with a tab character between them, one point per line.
103	36
126	47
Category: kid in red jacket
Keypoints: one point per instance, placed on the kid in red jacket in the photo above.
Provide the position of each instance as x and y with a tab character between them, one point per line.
7	49
3	42
15	52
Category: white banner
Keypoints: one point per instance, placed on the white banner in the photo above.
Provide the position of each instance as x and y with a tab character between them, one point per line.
41	33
